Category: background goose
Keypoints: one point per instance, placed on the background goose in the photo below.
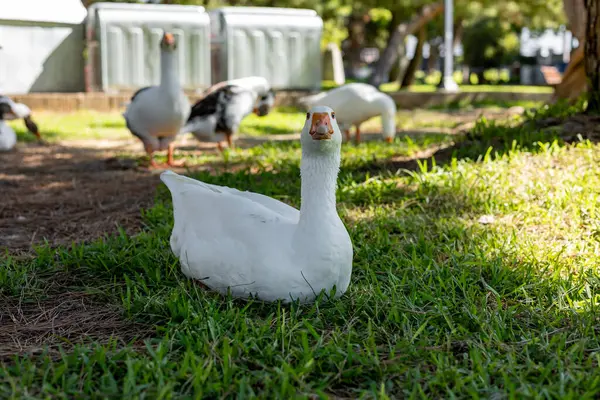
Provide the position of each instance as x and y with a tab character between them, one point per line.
355	103
266	95
9	110
156	113
217	117
8	137
255	245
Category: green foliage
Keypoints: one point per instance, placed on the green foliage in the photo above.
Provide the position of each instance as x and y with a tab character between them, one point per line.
490	42
377	29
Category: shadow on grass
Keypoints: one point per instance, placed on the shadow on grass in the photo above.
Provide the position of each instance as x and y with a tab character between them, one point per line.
466	104
561	122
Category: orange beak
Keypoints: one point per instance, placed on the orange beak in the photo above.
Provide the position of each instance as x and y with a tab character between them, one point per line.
168	38
320	127
389	140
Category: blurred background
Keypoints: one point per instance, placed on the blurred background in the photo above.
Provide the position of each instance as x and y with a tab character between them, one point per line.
76	46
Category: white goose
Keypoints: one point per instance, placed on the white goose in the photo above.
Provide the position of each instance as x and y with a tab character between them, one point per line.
355	103
254	245
9	110
218	116
156	113
266	95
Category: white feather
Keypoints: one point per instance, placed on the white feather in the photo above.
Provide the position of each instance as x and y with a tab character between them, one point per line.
8	137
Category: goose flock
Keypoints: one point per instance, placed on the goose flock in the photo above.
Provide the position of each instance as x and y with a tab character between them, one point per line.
243	243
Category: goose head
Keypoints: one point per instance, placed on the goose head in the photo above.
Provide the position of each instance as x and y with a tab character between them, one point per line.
168	42
321	133
265	103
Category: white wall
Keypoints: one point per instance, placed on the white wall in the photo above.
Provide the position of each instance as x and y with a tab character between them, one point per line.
42	44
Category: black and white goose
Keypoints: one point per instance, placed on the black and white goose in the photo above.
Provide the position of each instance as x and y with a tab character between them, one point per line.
156	113
218	116
9	110
266	95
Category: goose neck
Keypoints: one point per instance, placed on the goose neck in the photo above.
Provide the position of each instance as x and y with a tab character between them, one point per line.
318	189
168	77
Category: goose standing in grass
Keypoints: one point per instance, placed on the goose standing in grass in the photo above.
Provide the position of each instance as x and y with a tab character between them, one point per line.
254	245
156	113
9	110
355	103
218	116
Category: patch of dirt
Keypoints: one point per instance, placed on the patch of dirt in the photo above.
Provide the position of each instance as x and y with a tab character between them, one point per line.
79	190
63	320
63	194
588	126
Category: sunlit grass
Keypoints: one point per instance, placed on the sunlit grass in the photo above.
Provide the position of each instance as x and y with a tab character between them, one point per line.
80	125
482	88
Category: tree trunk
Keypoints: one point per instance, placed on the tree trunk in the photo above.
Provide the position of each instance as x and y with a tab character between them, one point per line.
480	76
398	69
390	54
573	82
592	55
409	76
434	57
356	37
458	32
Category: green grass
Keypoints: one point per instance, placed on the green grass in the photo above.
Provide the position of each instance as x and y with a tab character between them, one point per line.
440	304
482	88
80	125
90	125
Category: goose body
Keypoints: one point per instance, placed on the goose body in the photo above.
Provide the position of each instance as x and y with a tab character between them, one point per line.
217	116
257	83
262	87
156	114
253	245
9	110
355	103
8	137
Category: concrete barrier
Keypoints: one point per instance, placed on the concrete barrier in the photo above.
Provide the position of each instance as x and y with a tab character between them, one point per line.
68	102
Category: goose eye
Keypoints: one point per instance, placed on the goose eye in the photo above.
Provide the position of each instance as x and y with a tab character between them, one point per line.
333	115
307	115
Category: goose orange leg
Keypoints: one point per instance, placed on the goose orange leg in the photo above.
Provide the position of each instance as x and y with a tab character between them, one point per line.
347	132
150	152
170	160
357	137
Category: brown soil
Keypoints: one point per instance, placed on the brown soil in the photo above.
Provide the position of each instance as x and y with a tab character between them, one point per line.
64	194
